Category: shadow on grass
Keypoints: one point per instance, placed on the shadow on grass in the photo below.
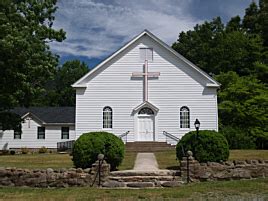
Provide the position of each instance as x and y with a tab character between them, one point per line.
176	167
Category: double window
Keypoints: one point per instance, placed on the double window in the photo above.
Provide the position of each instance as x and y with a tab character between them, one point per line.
184	117
64	132
17	133
41	132
107	117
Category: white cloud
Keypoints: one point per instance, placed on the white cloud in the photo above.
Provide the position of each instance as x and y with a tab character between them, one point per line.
95	29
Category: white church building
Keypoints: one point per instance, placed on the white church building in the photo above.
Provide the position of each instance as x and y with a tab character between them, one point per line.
142	92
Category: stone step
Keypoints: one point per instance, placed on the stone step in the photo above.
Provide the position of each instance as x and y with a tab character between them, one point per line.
148	149
144	178
148	146
152	184
126	173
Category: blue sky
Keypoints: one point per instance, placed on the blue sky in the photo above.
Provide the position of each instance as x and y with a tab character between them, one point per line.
96	28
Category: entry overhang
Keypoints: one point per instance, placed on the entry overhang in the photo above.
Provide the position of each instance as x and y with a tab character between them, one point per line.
146	104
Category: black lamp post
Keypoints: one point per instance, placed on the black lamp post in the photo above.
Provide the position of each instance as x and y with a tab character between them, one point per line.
197	125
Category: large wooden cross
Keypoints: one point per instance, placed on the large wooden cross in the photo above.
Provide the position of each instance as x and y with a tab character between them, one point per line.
145	74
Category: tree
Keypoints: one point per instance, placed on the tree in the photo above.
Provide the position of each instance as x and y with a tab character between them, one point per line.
217	49
251	19
68	74
196	45
25	59
58	91
237	54
243	102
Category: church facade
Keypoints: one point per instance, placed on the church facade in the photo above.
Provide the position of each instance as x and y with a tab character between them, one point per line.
145	90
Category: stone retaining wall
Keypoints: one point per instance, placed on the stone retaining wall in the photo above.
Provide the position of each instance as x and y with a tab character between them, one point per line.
230	170
53	178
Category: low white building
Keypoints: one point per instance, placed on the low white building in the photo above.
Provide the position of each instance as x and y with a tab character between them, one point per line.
41	126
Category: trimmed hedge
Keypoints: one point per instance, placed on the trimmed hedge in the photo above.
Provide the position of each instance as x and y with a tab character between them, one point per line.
89	145
207	146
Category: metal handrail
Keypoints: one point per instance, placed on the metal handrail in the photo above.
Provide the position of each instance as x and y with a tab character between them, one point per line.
123	135
175	139
171	136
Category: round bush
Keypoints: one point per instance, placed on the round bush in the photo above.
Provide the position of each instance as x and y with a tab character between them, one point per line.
89	145
207	146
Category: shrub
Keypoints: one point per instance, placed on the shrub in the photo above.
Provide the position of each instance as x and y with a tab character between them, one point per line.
24	150
207	146
12	152
238	138
42	150
89	145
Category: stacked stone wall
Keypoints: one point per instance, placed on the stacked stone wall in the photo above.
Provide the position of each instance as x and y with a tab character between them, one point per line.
54	178
230	170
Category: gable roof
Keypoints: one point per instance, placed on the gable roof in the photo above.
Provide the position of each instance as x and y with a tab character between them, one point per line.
48	115
78	83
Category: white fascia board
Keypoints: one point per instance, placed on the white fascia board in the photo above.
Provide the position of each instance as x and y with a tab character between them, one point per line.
79	86
212	85
34	117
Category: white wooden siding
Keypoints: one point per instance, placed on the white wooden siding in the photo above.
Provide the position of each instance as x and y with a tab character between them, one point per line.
178	85
29	137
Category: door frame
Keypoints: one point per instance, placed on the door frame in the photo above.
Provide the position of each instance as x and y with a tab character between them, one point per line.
136	125
140	116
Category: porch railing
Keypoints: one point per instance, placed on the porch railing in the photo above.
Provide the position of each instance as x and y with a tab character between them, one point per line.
174	138
65	146
124	136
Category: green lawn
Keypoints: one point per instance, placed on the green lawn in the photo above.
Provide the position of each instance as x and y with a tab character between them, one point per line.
166	159
128	162
235	190
33	161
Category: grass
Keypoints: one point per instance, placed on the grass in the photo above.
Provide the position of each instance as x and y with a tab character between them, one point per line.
166	159
37	161
248	154
43	161
235	190
128	162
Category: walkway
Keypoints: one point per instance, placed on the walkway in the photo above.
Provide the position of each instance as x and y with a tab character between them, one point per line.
146	162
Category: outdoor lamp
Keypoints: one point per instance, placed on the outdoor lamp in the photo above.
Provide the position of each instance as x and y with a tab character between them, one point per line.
197	124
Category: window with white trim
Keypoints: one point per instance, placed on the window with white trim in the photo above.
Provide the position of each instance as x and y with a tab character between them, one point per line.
64	132
17	133
147	111
184	117
146	54
41	132
107	117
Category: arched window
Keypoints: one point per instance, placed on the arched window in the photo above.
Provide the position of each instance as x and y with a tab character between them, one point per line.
184	117
147	111
107	117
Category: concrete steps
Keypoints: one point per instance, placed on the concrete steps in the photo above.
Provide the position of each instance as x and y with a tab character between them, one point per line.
148	146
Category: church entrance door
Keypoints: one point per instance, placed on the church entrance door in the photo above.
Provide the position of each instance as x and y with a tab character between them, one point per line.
146	125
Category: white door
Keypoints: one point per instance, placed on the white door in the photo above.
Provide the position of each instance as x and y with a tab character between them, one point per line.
146	128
